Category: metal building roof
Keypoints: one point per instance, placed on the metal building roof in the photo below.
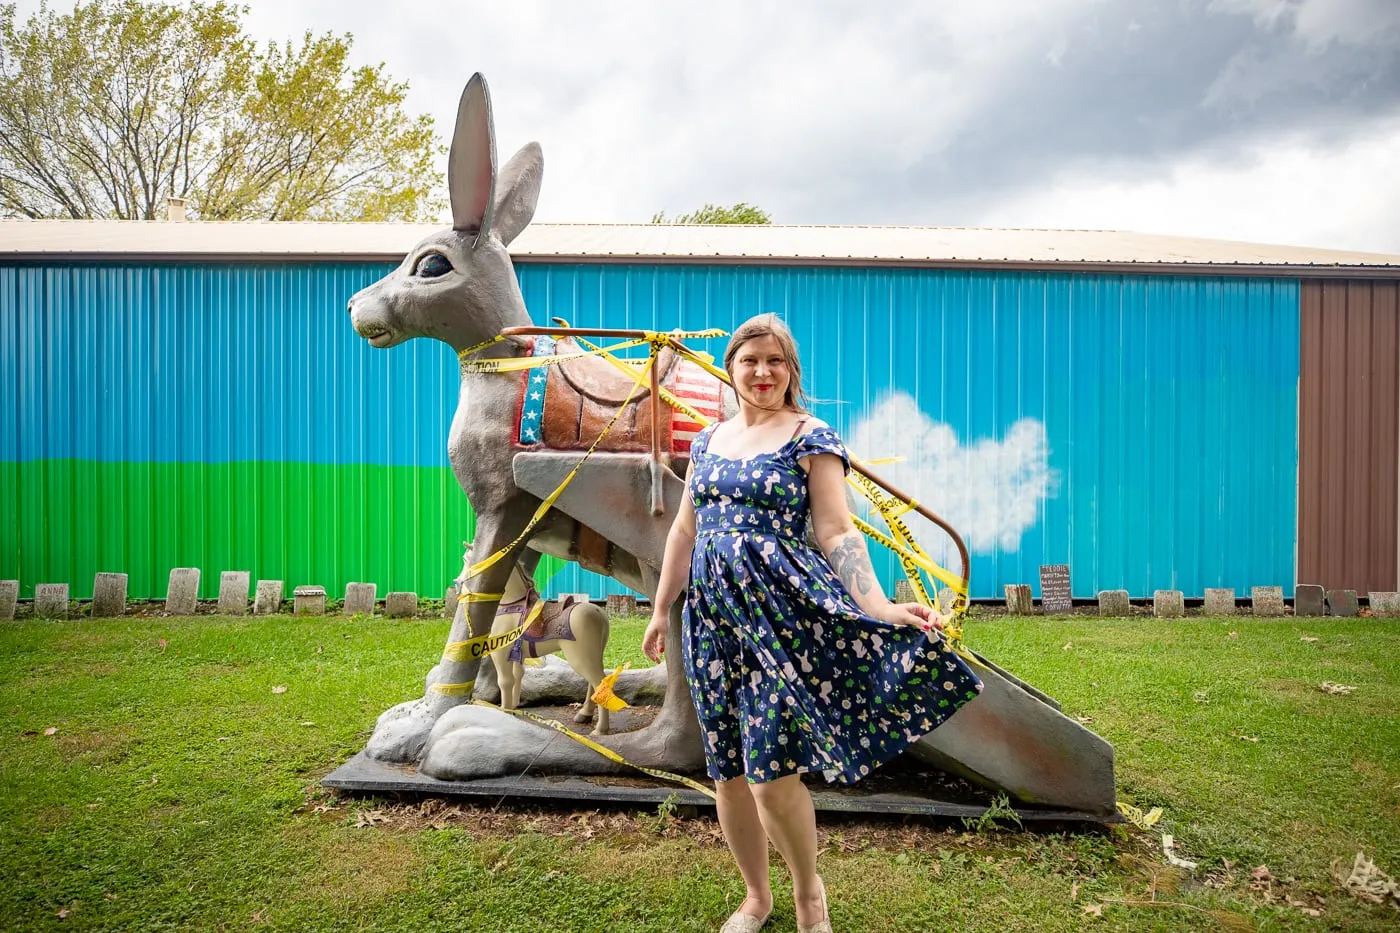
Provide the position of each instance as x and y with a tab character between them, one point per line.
1086	250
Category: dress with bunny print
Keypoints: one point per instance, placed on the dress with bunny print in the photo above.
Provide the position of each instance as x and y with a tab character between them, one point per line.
788	675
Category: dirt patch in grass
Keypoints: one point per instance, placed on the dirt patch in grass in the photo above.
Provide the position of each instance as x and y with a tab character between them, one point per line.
365	868
627	828
95	747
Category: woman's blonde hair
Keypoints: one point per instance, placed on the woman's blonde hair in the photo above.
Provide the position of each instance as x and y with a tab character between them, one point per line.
770	325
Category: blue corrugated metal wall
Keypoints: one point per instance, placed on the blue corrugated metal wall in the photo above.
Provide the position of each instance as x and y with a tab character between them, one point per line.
1158	414
1141	429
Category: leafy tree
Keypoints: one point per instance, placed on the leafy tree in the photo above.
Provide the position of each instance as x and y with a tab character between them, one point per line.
110	109
741	213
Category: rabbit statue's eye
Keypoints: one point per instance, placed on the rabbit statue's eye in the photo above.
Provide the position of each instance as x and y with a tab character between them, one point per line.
433	265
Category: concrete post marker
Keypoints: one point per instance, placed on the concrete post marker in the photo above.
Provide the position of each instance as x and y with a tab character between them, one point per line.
1018	599
1309	600
1168	604
108	595
268	598
1267	600
182	596
1342	603
401	605
903	591
1384	605
1113	603
359	599
1220	601
309	601
9	595
449	602
233	592
621	604
51	601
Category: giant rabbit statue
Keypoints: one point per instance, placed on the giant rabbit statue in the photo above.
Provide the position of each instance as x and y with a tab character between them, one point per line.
509	449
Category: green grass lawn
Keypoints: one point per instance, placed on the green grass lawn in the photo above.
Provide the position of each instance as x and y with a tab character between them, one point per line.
180	791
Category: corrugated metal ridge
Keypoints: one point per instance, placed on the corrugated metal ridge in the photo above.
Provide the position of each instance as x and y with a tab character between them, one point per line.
941	247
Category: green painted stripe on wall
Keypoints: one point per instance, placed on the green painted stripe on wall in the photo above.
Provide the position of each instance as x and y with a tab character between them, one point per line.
401	528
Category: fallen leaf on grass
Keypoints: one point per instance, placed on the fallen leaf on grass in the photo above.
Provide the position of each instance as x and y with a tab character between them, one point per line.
1336	689
1234	634
1308	638
1085	719
1068	645
308	723
109	896
1093	910
370	818
279	689
1200	697
63	913
51	730
1246	738
1074	891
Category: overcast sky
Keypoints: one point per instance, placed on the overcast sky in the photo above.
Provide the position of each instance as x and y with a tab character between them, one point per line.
1266	120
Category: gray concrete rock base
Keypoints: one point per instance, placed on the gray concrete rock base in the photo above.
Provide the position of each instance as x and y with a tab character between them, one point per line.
1168	604
1342	603
233	592
1384	605
401	605
1309	600
182	595
268	598
309	601
51	601
1219	601
359	599
9	596
1018	599
1266	600
1113	603
108	595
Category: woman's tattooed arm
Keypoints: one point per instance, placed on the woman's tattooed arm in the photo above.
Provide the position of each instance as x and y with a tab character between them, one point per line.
852	564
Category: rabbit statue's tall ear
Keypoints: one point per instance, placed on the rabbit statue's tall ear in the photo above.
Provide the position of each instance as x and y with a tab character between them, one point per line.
517	192
471	165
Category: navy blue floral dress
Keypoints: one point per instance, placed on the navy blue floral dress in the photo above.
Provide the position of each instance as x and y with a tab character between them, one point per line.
786	672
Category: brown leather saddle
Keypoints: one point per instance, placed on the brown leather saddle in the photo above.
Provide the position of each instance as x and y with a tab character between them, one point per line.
581	396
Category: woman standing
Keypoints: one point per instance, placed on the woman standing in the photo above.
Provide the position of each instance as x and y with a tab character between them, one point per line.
795	658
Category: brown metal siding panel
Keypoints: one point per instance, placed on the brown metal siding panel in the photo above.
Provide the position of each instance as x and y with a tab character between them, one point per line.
1349	435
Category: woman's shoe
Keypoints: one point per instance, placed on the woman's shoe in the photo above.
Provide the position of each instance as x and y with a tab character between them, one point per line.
740	922
824	924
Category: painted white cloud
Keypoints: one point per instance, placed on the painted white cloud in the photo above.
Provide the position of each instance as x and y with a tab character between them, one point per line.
989	490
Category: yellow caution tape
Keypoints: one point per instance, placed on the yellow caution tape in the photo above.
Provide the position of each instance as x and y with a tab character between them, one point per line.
1144	821
474	649
631	372
601	749
604	695
549	501
901	541
463	354
517	364
453	690
470	597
